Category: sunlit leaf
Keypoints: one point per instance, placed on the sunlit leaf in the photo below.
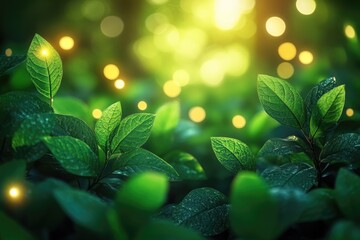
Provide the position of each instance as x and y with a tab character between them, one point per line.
109	120
281	101
133	132
233	154
45	67
328	111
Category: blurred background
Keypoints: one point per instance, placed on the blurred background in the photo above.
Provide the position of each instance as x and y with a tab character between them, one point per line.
197	61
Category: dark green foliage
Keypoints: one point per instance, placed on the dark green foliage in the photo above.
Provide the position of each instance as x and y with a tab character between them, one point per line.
63	178
7	63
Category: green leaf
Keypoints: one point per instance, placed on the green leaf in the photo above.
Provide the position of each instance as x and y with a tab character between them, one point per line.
74	155
347	194
314	95
133	132
203	209
83	209
319	205
281	101
16	106
233	154
281	151
109	120
74	107
10	229
76	128
146	191
344	229
27	140
291	175
186	165
167	230
167	119
45	67
344	148
7	63
140	160
33	129
254	211
42	210
290	206
139	198
328	111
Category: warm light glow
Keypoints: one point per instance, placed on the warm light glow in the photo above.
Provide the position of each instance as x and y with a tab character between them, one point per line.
285	70
181	77
142	105
306	57
97	113
112	26
228	12
157	2
238	121
8	52
14	192
212	72
349	112
349	31
197	114
111	71
119	84
171	89
306	7
44	52
66	42
275	26
287	51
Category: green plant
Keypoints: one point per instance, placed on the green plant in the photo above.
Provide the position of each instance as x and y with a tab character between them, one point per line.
59	178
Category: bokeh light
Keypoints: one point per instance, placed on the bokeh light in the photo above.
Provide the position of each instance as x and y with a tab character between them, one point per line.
93	9
96	113
66	43
142	105
306	7
239	121
349	31
181	77
212	72
227	13
275	26
349	112
119	84
306	57
112	26
285	70
111	71
8	52
171	89
14	192
197	114
287	51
